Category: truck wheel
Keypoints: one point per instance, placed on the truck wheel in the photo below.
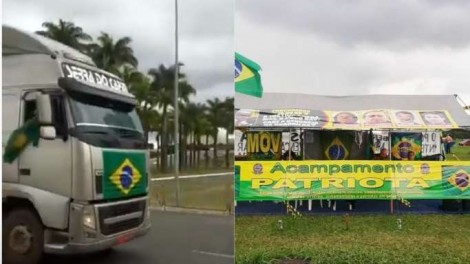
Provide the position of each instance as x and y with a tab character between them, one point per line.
23	237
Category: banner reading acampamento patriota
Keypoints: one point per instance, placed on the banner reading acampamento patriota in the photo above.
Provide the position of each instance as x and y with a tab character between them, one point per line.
288	180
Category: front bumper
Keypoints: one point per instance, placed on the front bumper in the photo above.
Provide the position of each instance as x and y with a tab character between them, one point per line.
80	239
78	248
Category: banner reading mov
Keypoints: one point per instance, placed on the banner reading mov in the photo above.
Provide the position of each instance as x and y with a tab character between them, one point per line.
343	179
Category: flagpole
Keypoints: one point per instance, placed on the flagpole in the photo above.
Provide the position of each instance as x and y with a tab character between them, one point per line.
176	107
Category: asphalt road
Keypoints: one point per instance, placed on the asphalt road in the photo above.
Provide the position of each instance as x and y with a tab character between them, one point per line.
173	238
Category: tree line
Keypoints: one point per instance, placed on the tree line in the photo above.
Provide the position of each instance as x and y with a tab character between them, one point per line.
154	91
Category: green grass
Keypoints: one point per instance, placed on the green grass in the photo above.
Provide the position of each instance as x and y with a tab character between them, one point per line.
208	193
203	167
369	239
459	153
189	171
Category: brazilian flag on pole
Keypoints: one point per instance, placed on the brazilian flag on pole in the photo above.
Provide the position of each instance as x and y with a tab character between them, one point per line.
20	139
247	78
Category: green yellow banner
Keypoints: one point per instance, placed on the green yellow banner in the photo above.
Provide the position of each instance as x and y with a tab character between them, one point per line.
343	179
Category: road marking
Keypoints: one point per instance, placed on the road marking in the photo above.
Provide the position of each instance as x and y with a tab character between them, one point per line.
213	254
192	176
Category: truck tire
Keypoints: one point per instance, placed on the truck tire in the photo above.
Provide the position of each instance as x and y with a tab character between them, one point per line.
23	237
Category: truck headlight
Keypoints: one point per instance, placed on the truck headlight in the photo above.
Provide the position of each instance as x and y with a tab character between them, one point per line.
89	219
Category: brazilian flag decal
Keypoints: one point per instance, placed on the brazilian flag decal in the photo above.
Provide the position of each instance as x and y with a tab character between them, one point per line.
20	139
456	180
124	174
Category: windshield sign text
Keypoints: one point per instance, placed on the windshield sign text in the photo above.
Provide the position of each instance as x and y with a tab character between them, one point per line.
96	78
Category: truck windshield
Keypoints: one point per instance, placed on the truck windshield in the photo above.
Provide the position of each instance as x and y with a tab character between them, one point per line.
105	115
106	123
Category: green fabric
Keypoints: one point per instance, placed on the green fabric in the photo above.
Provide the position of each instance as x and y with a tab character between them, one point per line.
20	139
252	85
124	173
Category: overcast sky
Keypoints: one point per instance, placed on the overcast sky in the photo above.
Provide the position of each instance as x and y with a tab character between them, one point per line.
357	47
205	32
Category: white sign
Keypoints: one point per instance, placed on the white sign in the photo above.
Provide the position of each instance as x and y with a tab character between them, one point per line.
431	144
381	141
93	77
295	141
240	143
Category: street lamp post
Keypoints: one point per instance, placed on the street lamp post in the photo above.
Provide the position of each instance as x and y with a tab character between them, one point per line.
176	107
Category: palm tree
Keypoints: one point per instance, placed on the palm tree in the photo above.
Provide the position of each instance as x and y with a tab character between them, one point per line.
163	82
66	33
192	118
110	55
130	75
186	126
207	129
200	124
228	124
215	116
139	86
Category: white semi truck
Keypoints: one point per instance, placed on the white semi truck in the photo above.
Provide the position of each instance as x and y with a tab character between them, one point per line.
82	184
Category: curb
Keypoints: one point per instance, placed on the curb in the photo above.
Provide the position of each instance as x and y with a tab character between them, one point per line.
189	210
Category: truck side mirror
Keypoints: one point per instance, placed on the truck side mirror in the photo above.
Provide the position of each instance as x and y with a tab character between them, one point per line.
43	103
47	132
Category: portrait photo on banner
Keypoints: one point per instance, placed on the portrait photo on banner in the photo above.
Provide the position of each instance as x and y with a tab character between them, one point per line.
345	119
406	118
436	118
376	118
246	117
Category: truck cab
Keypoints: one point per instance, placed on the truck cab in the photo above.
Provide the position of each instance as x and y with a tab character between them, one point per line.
82	185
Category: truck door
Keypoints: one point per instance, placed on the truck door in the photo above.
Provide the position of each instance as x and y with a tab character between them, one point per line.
10	119
49	165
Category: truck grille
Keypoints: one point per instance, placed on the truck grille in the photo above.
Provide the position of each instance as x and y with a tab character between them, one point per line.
107	212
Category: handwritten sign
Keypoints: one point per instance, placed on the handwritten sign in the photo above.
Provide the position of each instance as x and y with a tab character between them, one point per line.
431	144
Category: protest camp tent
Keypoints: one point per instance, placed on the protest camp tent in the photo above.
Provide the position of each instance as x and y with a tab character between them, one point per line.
316	112
281	112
